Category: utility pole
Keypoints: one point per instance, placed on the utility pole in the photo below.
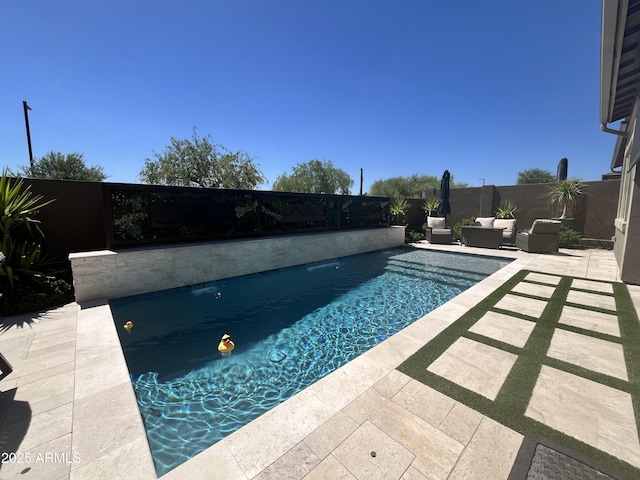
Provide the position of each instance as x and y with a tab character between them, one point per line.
361	182
26	121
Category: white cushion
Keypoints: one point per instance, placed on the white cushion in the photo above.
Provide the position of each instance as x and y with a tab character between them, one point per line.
435	222
486	222
509	225
544	226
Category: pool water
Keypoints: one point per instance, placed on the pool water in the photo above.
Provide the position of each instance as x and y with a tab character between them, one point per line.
291	327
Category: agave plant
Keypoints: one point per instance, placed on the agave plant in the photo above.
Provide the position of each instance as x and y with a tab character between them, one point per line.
506	209
19	231
399	207
18	206
22	259
565	194
431	206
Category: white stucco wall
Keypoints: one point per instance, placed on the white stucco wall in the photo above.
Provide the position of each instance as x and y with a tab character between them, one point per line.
110	274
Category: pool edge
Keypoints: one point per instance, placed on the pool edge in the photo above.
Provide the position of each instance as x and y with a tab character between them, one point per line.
238	453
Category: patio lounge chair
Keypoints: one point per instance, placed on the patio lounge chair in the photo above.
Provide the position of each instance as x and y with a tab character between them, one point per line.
437	231
544	236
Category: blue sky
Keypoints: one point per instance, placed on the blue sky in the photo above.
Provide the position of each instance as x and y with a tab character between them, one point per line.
483	89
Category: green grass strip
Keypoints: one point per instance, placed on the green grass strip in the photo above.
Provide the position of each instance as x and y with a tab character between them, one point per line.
510	404
518	386
630	333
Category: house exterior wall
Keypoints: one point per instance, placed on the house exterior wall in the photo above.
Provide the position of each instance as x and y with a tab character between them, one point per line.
110	274
627	223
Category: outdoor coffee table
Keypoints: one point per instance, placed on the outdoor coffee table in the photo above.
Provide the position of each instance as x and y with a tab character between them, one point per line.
485	237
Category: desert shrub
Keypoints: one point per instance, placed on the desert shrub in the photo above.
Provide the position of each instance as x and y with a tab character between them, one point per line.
34	296
411	236
569	237
457	227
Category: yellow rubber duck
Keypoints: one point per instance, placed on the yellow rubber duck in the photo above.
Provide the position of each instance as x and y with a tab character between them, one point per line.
226	345
128	326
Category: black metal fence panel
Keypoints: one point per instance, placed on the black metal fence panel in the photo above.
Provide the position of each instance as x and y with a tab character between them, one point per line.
147	215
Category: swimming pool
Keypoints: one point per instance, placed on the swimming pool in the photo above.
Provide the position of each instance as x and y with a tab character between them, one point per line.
291	327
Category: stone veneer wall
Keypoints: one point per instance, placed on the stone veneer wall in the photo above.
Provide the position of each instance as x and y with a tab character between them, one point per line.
109	274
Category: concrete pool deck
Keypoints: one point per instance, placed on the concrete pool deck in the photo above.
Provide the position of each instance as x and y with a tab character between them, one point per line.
68	410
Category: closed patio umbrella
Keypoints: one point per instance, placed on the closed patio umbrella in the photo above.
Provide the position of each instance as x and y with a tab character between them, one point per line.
563	166
444	208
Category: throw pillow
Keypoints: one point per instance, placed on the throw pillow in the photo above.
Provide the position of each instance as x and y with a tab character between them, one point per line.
486	222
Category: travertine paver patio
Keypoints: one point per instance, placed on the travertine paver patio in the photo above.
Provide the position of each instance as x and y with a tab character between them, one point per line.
435	452
592	299
558	394
504	328
476	366
591	412
544	291
370	442
592	286
588	352
542	278
590	320
521	305
70	393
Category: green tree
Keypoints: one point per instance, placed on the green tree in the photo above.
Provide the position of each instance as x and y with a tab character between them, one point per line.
58	166
200	163
315	176
535	175
409	187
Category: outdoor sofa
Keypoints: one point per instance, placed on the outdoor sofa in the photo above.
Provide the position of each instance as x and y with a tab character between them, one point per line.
490	232
508	224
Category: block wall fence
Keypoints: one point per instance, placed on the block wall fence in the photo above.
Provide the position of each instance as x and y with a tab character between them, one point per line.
76	221
75	228
594	215
113	274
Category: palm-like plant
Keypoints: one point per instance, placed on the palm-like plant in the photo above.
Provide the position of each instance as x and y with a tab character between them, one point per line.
18	205
19	230
399	207
565	194
431	206
506	209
